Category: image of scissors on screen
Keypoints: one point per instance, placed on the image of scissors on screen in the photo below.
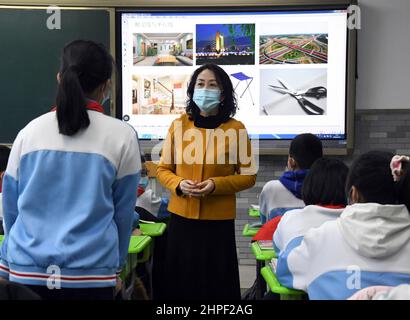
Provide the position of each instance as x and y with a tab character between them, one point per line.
307	106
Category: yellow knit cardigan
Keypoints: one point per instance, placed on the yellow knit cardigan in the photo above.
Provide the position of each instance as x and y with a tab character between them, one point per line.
199	154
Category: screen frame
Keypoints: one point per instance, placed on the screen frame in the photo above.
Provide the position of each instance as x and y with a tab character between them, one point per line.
266	146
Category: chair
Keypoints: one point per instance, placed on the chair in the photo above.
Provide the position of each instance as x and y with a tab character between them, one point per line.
243	77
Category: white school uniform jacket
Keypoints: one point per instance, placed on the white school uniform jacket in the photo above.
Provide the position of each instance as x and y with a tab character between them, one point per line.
295	223
275	200
69	202
369	245
1	206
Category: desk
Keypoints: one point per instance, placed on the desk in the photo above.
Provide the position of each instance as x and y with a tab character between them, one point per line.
262	254
276	287
138	245
261	257
153	229
248	231
254	213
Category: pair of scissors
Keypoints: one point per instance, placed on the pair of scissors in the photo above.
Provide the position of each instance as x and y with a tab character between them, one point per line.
307	106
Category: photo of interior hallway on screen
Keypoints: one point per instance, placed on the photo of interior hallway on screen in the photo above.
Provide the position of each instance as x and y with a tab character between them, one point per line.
159	94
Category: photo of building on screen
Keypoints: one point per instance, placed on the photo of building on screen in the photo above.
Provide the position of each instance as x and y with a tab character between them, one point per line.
225	44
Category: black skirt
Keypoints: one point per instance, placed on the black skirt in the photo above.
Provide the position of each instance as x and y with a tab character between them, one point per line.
201	261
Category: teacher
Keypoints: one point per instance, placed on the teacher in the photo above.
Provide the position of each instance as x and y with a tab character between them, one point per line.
206	159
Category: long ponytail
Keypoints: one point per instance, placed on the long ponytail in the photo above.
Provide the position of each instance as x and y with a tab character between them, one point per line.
84	67
72	115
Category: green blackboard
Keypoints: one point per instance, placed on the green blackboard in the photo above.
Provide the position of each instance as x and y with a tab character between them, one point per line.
30	58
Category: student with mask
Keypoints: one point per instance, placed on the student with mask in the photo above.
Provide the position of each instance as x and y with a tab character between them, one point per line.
369	245
70	187
206	159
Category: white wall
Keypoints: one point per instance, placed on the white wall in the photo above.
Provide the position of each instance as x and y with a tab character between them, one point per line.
384	55
183	42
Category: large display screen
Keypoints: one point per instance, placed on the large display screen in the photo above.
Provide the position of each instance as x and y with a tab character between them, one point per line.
288	68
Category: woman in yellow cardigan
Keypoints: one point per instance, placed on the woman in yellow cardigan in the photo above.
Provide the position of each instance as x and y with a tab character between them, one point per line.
206	159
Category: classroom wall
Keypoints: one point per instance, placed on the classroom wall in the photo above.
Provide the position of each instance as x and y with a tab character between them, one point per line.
384	55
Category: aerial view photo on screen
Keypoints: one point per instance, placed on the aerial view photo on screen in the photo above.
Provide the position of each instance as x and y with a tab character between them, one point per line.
225	44
293	49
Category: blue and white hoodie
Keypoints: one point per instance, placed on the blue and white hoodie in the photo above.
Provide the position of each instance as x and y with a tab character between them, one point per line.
280	196
295	223
369	245
69	202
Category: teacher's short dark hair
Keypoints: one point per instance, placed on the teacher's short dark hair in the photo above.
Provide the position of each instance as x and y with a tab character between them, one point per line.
227	108
325	183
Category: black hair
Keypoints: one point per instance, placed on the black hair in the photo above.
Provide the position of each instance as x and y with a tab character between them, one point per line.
4	157
325	183
227	107
372	177
85	65
305	149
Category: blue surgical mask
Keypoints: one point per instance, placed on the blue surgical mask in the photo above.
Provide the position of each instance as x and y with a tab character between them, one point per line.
207	99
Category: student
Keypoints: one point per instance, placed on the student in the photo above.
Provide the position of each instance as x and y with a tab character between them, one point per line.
70	187
278	196
201	260
323	192
369	245
4	158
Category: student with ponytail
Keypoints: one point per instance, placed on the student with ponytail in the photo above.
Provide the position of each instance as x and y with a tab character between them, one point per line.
69	188
369	245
